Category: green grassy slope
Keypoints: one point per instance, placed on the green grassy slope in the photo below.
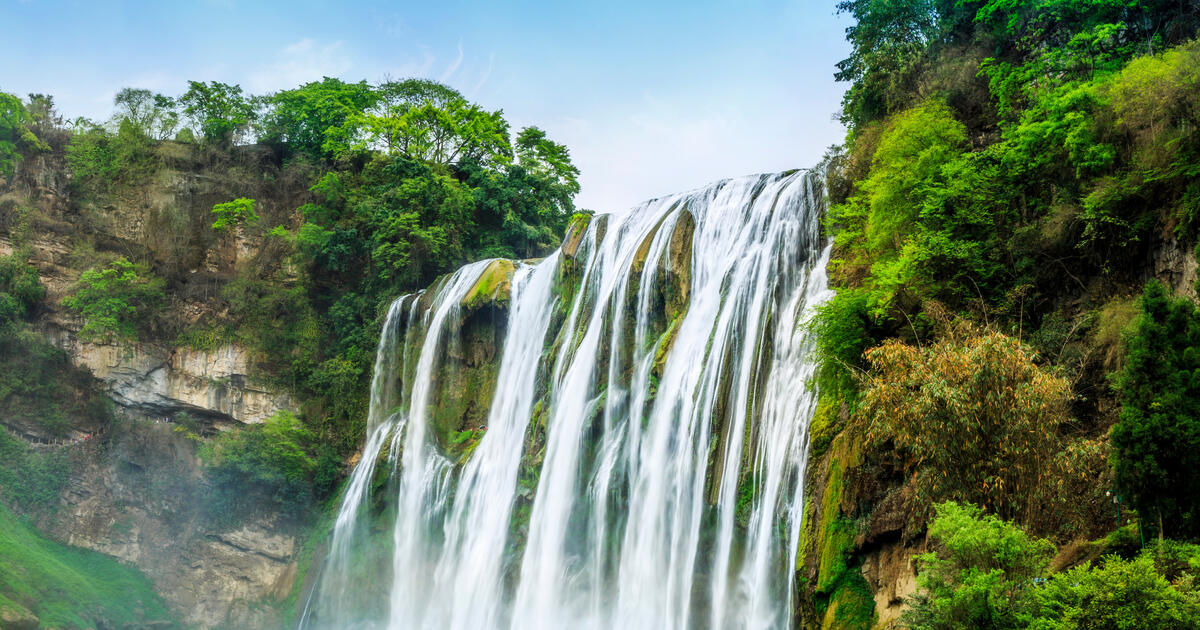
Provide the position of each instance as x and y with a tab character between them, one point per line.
69	587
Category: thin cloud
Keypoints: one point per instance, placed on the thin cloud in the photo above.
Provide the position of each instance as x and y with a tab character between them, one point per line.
299	63
453	65
486	75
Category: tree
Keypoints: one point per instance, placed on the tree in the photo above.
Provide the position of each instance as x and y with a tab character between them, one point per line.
1117	594
988	573
43	115
550	161
152	114
980	574
319	119
425	120
218	110
115	299
975	418
13	120
234	213
1156	443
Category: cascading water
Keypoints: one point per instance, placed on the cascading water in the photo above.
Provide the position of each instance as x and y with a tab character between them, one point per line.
642	458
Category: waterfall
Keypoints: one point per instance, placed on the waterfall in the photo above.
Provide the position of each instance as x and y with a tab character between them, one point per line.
638	461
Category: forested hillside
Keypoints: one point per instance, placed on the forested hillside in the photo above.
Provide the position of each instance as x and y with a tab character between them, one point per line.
1014	214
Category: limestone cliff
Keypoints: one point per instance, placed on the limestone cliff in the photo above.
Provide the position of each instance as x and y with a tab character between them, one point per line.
135	490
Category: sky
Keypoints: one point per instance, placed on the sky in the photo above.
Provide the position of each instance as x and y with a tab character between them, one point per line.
650	97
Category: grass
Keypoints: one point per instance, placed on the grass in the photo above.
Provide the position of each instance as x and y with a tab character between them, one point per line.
68	587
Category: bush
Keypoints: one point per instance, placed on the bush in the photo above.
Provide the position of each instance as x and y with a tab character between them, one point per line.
234	213
980	575
987	573
116	300
1117	594
975	417
273	462
20	288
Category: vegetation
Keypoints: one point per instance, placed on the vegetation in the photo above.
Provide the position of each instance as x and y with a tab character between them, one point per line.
277	463
67	587
234	213
1007	167
1156	444
974	418
115	300
988	573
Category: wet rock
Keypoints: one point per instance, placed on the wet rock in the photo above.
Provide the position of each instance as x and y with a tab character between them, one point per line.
493	287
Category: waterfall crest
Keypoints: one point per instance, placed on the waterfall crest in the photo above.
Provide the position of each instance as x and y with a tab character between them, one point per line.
638	459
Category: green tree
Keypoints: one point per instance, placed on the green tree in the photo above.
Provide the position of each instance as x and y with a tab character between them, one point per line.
1115	595
115	300
980	574
152	114
276	459
234	213
20	288
1156	443
43	115
428	121
218	110
13	121
318	119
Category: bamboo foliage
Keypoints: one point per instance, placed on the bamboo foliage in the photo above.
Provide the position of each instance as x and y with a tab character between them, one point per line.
973	418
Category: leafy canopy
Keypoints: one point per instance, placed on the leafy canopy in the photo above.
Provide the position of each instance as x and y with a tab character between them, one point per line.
234	213
219	111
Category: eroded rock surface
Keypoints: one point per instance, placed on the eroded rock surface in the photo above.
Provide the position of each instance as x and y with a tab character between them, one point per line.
139	498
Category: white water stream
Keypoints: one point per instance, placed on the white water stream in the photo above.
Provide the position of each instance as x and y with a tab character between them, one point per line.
635	473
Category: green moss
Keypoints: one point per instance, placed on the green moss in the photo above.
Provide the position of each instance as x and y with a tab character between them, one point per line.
493	286
68	587
822	427
851	606
834	535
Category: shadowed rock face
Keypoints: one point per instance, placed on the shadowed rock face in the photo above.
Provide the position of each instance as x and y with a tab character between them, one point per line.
137	498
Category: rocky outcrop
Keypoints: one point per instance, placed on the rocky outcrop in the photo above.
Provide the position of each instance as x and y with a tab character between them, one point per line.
217	386
139	499
1176	266
147	378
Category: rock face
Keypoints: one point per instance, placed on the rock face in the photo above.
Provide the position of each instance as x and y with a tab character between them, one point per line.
149	379
218	386
138	493
136	499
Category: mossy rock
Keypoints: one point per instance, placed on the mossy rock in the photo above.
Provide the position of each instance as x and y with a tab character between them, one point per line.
676	273
576	230
494	286
851	606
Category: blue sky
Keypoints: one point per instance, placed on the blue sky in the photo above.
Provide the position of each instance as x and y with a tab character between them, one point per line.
651	97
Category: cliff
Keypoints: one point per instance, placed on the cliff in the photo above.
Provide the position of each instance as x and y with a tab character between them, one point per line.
136	485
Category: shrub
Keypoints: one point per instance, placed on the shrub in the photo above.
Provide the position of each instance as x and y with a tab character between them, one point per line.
975	417
979	575
1117	594
987	573
234	213
272	462
115	300
20	288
